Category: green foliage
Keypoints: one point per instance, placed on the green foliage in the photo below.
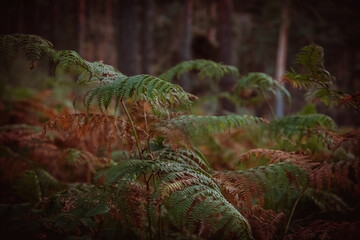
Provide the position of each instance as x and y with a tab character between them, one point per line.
205	69
260	82
157	92
28	187
188	192
198	126
317	80
299	125
169	190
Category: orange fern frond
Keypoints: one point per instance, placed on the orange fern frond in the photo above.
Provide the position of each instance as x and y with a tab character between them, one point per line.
264	223
275	156
98	132
342	175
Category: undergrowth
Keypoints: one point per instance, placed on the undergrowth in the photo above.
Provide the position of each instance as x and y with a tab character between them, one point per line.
133	160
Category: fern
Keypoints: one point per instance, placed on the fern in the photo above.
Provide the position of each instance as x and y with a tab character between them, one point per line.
196	127
205	68
190	192
159	93
257	185
260	82
298	125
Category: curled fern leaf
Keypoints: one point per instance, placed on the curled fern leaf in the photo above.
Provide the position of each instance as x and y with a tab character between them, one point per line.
205	68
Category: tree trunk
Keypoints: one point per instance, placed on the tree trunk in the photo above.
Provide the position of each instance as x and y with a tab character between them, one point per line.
225	48
185	49
281	54
127	38
146	35
82	27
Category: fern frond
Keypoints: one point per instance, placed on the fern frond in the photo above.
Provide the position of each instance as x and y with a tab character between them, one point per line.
193	158
276	156
205	68
193	197
157	92
198	126
31	46
35	47
28	187
298	125
260	82
342	175
265	222
257	185
310	57
95	130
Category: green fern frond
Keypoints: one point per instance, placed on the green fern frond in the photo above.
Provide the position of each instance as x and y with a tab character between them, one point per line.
32	47
260	82
298	125
257	185
157	92
198	126
188	190
205	68
193	158
28	187
310	57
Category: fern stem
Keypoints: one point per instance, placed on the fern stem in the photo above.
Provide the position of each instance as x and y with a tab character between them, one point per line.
133	128
147	130
147	203
292	213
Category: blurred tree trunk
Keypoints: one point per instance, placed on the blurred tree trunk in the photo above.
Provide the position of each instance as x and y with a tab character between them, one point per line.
127	38
281	54
185	49
82	27
146	43
224	11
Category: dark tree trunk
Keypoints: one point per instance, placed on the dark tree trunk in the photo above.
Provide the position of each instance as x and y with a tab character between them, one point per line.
127	38
147	27
225	48
82	27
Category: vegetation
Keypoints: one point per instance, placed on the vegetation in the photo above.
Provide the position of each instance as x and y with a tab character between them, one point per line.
135	161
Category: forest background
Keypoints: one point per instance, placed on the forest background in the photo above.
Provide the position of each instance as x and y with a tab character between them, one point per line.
150	36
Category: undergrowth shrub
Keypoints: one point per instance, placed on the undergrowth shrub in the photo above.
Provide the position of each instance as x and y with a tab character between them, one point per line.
135	162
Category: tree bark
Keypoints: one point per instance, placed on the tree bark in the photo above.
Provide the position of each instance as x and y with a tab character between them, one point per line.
146	43
281	54
82	27
185	49
225	24
127	38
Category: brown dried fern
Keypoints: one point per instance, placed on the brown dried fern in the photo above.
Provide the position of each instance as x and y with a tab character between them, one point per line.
95	132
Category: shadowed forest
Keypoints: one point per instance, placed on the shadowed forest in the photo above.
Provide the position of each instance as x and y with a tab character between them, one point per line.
181	119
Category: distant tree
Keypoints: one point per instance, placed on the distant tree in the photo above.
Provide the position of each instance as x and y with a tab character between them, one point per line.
225	8
127	38
146	36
